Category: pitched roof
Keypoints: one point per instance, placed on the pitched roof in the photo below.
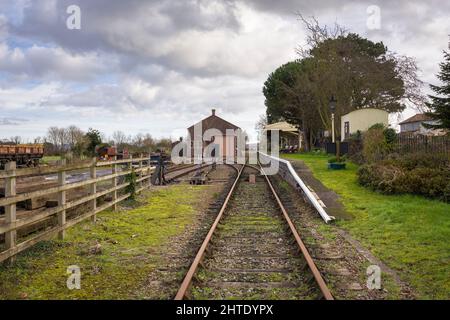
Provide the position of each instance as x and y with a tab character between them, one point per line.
214	122
416	118
282	126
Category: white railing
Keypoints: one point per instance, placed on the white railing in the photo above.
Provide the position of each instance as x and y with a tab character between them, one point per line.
289	174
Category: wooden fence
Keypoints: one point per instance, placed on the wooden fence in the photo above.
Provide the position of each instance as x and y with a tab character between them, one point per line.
411	143
116	192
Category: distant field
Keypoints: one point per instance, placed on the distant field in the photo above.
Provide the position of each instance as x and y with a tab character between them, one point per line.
409	233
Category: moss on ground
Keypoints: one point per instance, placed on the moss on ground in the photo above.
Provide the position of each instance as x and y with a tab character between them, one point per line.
129	242
409	233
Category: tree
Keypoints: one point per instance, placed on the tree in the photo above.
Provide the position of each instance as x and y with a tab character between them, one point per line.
74	136
358	72
120	139
261	123
164	144
148	143
16	139
290	97
93	138
52	138
440	103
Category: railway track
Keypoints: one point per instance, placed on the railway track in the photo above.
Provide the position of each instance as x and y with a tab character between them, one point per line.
253	250
178	172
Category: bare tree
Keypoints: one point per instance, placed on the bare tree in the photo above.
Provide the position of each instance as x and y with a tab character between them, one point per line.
261	123
74	136
63	139
148	143
16	139
119	138
138	140
52	135
317	34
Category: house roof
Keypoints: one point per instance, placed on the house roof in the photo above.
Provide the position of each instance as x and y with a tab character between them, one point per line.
214	122
416	118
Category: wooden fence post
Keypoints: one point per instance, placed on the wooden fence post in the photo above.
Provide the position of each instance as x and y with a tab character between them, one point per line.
149	171
62	200
141	172
93	188
114	183
10	210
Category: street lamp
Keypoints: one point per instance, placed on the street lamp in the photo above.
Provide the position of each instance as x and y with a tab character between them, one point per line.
333	103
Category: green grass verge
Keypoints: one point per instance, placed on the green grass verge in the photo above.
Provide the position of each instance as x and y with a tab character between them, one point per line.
128	241
46	159
409	233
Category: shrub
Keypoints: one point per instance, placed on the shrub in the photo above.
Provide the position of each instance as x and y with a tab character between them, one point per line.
378	142
413	174
413	160
131	188
342	159
355	147
374	145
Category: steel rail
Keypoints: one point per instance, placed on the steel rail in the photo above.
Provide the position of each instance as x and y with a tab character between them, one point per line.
327	218
198	258
182	292
178	175
309	260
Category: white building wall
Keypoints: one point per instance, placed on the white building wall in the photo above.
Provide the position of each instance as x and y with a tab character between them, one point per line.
363	119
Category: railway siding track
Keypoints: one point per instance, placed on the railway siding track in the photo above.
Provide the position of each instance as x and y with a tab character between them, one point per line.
253	250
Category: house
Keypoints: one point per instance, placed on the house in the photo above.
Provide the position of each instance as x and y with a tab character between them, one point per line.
415	123
290	136
225	143
362	120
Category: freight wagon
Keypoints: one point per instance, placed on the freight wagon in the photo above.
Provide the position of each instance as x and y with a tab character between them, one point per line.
23	154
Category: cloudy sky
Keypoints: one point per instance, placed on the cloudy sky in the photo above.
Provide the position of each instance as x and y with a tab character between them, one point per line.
159	66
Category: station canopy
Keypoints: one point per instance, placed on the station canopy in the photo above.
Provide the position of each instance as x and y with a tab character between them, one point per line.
282	126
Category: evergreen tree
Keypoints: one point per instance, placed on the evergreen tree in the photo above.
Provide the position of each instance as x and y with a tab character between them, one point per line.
440	103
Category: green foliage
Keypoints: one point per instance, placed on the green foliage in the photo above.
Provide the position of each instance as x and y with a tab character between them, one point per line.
342	159
131	188
390	136
419	174
409	233
410	161
93	138
378	142
440	103
357	71
275	89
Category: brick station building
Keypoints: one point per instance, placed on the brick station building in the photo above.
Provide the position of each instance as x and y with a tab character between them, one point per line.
227	145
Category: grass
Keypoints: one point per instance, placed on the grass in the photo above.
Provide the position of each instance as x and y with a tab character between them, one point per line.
409	233
47	159
129	240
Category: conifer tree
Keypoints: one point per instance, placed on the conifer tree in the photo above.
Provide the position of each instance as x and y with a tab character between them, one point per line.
440	103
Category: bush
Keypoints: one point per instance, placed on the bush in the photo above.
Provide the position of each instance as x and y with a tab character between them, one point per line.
378	142
342	159
414	160
132	187
355	147
424	175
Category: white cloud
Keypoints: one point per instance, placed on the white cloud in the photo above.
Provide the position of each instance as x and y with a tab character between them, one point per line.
52	64
159	66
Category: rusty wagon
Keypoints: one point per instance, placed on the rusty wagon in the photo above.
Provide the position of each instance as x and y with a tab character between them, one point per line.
23	154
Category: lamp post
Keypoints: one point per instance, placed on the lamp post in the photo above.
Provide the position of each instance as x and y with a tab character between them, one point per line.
333	102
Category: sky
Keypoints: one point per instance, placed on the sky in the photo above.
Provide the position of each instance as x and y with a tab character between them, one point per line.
160	66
